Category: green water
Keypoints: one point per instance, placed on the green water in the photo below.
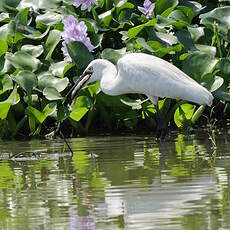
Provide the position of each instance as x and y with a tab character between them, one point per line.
116	183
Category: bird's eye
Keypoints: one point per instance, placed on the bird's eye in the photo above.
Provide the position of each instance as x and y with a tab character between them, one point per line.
89	70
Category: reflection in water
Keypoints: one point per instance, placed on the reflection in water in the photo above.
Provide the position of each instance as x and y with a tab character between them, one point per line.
116	183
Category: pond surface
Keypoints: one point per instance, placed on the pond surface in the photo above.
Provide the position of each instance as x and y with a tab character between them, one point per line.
116	183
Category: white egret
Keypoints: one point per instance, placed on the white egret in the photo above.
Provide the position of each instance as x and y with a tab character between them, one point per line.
144	74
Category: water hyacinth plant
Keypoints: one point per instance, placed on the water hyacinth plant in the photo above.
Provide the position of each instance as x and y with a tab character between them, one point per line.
85	4
147	9
35	75
74	31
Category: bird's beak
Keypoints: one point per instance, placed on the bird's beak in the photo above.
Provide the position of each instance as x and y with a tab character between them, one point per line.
82	80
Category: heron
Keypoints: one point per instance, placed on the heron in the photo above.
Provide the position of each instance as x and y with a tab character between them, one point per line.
140	73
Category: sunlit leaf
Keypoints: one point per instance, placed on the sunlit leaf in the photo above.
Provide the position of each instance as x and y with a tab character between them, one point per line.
162	5
212	83
24	61
50	109
33	50
183	114
80	108
60	68
49	18
5	105
46	79
51	43
51	94
220	17
39	116
3	47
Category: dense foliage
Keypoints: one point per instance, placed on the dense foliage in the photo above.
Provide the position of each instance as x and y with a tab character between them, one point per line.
35	77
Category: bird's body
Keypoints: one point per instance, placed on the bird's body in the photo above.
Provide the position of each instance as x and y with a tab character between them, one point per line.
152	76
144	74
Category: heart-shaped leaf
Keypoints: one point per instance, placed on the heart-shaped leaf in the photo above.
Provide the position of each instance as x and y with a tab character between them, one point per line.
24	61
48	80
52	94
27	80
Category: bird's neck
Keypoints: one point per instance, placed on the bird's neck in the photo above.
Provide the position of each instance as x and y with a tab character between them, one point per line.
109	82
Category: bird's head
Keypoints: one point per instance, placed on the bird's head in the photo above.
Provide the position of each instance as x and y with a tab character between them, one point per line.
92	73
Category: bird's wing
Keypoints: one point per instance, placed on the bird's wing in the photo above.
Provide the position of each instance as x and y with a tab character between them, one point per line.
146	74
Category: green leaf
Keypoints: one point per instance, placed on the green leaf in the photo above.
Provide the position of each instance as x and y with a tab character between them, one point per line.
40	117
49	18
133	32
183	114
33	50
211	50
3	47
178	15
81	107
50	109
62	113
5	105
37	4
224	66
222	93
4	109
52	94
77	114
14	98
51	43
197	114
48	80
36	34
212	83
135	104
79	54
162	5
24	61
220	17
27	80
198	64
5	83
60	68
143	43
113	55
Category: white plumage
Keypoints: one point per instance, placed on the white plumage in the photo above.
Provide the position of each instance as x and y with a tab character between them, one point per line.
149	75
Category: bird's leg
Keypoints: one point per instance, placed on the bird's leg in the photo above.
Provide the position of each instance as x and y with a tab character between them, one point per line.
162	126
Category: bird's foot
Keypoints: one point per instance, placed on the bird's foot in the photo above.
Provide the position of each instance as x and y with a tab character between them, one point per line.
162	130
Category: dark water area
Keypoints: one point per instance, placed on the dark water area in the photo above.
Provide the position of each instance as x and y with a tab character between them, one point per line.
116	183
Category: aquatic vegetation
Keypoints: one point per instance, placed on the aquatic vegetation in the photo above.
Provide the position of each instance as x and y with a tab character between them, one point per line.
85	4
147	9
74	31
38	40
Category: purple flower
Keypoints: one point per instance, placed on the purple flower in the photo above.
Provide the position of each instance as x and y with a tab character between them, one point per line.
85	4
148	8
74	31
